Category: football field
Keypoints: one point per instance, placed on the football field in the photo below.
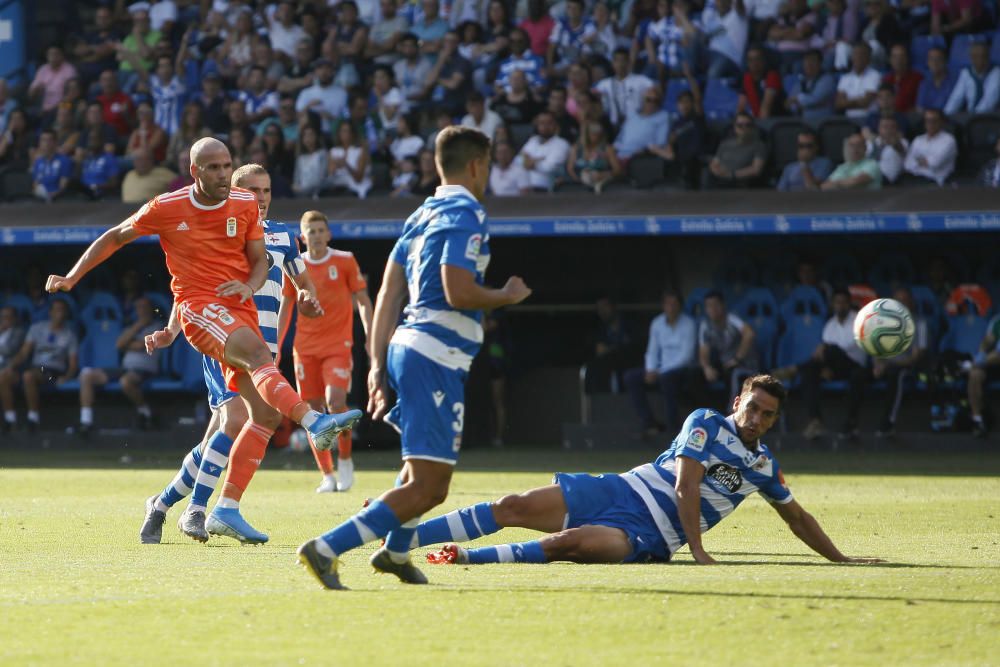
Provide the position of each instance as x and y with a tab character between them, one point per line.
77	588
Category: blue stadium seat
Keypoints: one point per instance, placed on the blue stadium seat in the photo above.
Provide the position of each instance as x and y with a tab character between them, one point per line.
832	133
162	304
788	83
22	304
804	302
759	309
964	334
101	306
927	307
720	100
186	364
842	270
919	47
694	303
735	275
995	50
674	88
959	55
891	269
797	344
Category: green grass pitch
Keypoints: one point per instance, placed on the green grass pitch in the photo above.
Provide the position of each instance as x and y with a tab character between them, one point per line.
77	588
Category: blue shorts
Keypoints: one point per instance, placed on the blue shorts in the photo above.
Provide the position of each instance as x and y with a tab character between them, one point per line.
430	405
608	500
218	392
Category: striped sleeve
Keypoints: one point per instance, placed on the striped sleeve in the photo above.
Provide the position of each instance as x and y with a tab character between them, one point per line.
776	491
694	438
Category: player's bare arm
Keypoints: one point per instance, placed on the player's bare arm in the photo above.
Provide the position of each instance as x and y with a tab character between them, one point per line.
391	298
305	297
164	337
257	254
365	309
100	250
463	292
805	527
689	475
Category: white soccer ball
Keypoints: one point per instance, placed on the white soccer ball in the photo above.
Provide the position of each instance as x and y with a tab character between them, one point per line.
884	328
298	441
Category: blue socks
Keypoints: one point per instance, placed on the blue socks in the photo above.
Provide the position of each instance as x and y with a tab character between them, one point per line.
461	525
369	524
523	552
183	482
213	463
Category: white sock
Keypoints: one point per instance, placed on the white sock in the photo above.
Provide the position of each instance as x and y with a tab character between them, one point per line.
33	416
144	411
977	418
331	477
160	505
324	548
87	416
309	419
228	503
10	416
192	507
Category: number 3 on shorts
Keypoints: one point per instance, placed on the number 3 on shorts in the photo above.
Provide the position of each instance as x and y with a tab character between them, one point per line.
459	410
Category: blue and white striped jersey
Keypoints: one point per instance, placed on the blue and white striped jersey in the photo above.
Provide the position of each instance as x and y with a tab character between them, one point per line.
449	228
732	472
282	256
257	103
168	98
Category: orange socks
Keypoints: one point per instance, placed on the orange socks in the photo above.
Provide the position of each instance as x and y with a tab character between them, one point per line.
248	452
344	445
324	459
275	390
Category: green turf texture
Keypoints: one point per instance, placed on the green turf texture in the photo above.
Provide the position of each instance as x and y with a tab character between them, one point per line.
77	588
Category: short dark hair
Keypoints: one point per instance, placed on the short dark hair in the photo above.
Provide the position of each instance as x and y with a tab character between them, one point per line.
620	51
671	292
887	87
813	53
408	37
768	383
475	96
456	146
810	134
841	291
714	294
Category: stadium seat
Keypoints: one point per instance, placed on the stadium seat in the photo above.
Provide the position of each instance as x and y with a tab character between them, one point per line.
797	344
22	304
980	134
162	304
759	309
674	88
16	185
843	269
919	47
959	54
832	132
784	136
520	133
964	334
720	100
645	171
186	364
101	306
735	275
995	50
989	271
891	269
927	307
694	303
788	82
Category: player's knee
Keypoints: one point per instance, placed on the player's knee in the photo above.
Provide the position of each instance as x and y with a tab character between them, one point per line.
267	418
509	509
429	496
564	545
232	420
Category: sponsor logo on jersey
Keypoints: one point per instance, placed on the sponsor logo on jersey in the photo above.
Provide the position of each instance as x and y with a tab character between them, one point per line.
332	272
726	476
473	246
231	227
697	438
183	227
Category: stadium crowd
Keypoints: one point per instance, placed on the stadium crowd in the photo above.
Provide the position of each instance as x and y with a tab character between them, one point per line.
348	96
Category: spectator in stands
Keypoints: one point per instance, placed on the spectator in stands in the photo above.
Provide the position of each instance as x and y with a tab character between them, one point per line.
726	345
518	104
794	31
592	161
429	180
442	119
935	89
857	172
214	104
885	107
763	14
50	79
363	121
649	127
236	51
324	98
840	30
146	179
136	367
724	26
141	42
520	59
310	163
183	177
239	141
740	159
411	71
837	357
450	79
349	165
65	129
95	127
119	110
431	29
405	177
978	86
539	26
479	117
931	157
613	346
51	170
191	129
896	370
11	336
989	175
985	368
669	365
761	95
686	141
809	171
569	128
280	161
951	17
544	154
407	142
7	105
888	148
265	57
507	177
95	51
299	73
259	101
347	40
905	81
147	135
857	88
50	352
570	40
284	32
287	120
623	91
385	35
882	30
98	168
15	143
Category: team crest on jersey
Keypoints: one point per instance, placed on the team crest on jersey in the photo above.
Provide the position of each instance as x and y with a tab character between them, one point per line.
697	439
332	272
473	246
231	227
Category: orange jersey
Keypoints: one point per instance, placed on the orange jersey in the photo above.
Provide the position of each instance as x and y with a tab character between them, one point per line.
336	277
205	246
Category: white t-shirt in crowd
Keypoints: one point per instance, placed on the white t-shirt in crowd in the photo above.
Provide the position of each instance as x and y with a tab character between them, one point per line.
508	182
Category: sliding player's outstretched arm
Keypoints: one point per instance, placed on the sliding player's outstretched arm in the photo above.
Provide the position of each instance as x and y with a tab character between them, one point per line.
806	528
106	245
690	472
391	297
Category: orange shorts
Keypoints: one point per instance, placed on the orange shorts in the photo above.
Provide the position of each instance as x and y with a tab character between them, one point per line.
207	324
314	374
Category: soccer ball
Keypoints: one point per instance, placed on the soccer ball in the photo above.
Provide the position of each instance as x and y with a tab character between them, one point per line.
298	441
884	328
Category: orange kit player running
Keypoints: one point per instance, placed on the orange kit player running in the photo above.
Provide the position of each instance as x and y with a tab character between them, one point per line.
213	239
323	344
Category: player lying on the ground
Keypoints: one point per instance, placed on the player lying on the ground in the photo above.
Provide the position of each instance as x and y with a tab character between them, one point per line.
651	511
202	466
